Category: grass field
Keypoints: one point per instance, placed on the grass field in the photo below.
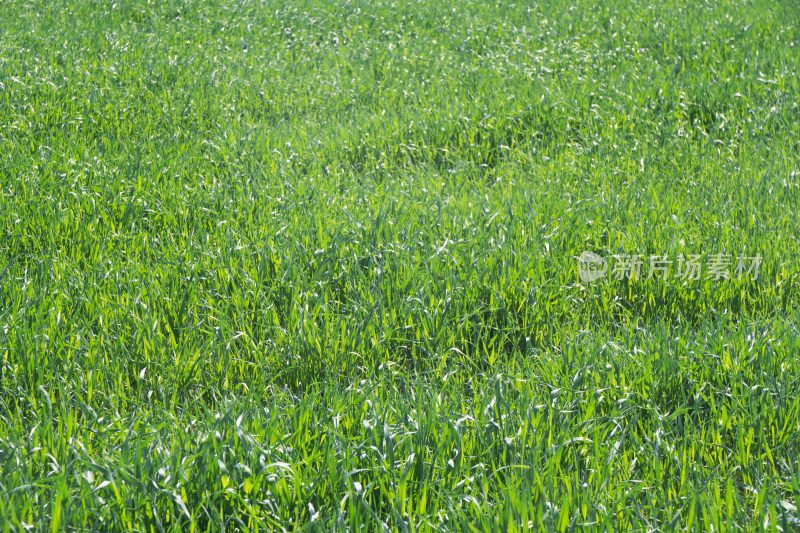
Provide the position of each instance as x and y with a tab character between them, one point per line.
270	265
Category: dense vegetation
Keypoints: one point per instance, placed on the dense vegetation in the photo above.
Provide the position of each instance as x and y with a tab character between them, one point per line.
276	264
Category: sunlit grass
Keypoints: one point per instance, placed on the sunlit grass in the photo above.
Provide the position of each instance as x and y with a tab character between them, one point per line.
275	265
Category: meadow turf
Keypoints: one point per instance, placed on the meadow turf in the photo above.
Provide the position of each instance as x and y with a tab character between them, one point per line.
273	264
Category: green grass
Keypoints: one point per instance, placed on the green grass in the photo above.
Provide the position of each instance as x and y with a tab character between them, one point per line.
278	265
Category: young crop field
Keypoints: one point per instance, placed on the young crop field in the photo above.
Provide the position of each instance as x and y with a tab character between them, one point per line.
399	265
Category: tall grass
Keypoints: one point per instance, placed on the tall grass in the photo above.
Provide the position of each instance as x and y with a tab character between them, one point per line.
272	265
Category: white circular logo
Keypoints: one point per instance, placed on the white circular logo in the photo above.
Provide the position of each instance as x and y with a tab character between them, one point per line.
591	266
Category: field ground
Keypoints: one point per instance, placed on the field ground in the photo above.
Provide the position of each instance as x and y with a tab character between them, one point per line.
278	264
